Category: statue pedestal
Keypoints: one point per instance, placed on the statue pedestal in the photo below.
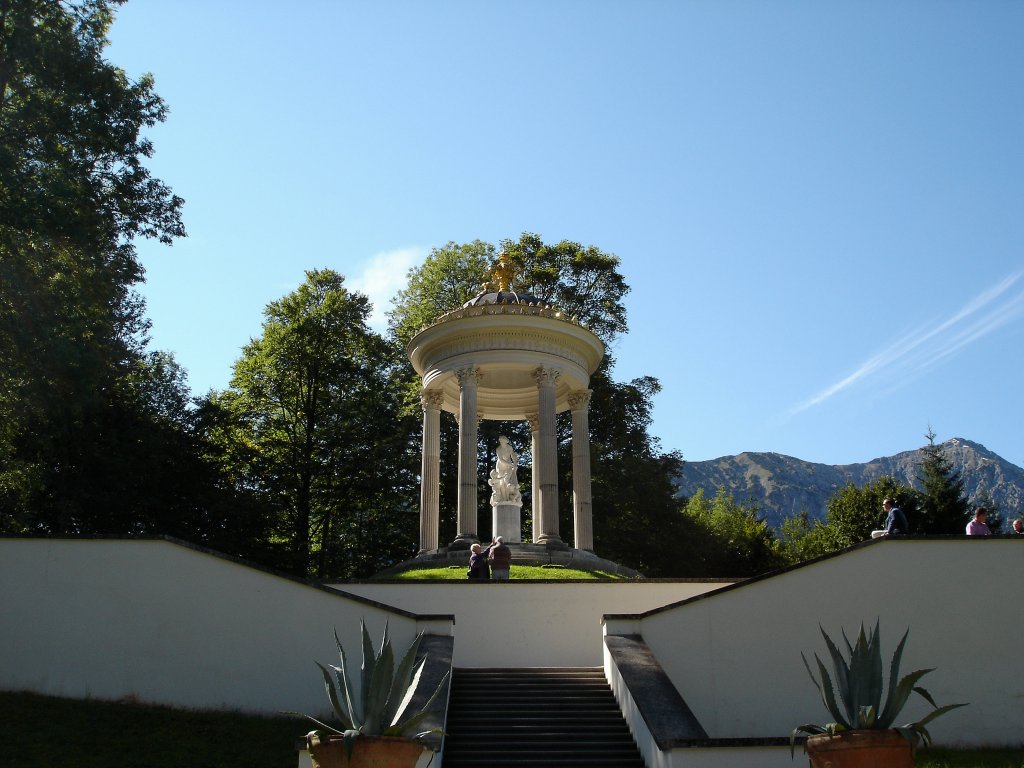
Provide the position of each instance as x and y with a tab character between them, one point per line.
506	521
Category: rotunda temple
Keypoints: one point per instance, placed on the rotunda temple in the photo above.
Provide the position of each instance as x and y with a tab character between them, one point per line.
507	356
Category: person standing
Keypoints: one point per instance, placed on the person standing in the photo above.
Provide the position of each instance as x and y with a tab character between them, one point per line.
501	559
978	526
479	570
1017	529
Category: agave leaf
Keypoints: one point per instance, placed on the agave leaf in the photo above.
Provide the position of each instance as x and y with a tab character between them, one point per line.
872	674
828	695
352	708
330	728
859	664
421	734
811	674
849	648
912	734
366	670
809	728
403	727
925	695
380	685
332	695
842	680
402	687
919	725
350	743
889	712
899	699
407	697
865	677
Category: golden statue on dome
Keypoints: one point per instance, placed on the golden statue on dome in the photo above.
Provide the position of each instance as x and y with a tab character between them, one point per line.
503	273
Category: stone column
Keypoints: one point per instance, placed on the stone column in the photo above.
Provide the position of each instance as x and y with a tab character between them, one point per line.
534	420
546	379
430	472
582	512
469	379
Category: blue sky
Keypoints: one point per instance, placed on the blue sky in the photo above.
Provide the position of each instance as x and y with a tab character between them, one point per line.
818	205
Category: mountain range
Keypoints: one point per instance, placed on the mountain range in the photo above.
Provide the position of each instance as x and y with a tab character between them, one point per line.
782	486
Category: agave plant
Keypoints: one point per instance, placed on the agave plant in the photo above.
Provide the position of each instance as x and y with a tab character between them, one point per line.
384	693
855	701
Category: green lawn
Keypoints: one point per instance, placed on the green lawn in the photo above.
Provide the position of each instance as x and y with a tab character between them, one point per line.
72	733
518	573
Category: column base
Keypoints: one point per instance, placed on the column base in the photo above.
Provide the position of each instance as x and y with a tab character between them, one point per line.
552	541
463	541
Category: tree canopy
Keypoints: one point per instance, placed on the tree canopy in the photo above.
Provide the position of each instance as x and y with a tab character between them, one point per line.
71	148
80	398
315	428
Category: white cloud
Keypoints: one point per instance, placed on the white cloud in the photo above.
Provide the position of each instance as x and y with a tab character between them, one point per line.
382	277
912	355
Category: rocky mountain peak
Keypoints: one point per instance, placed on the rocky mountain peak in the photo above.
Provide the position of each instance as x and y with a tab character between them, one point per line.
782	486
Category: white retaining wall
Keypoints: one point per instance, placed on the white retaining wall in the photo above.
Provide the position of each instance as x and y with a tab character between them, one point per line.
170	624
734	654
528	624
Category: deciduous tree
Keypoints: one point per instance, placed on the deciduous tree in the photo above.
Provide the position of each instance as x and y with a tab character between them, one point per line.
854	512
736	540
317	428
75	193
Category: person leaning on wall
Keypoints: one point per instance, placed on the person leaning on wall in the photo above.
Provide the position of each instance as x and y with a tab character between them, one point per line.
978	526
895	520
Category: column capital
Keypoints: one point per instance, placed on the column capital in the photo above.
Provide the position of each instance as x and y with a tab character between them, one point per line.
546	376
431	399
580	399
534	419
469	375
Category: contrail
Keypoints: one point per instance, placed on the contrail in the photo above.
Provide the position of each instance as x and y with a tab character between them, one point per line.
913	354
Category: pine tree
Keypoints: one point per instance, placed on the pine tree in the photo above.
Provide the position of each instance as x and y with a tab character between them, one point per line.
943	506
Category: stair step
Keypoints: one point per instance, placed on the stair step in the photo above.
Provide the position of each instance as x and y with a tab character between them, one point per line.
549	716
543	761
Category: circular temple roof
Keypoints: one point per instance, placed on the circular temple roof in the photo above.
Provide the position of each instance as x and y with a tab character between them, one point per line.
503	297
507	340
506	343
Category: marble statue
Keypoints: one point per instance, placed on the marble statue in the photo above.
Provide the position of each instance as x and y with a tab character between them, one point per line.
503	480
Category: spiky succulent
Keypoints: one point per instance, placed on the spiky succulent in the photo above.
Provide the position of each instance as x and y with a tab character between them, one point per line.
384	692
855	700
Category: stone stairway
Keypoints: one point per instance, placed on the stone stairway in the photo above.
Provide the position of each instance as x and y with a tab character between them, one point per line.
548	716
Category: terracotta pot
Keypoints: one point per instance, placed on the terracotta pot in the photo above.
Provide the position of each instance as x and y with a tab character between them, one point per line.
860	749
368	752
